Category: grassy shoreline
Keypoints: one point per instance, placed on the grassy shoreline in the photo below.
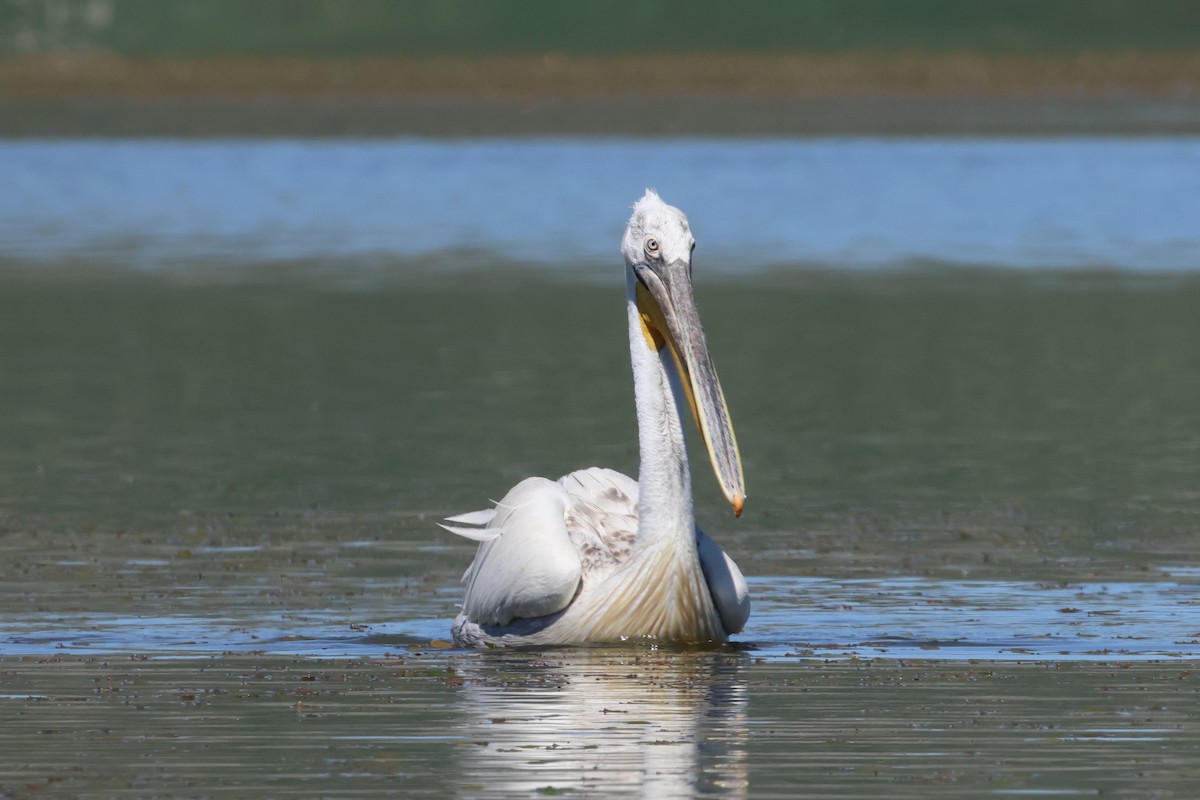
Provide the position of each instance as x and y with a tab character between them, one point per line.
868	92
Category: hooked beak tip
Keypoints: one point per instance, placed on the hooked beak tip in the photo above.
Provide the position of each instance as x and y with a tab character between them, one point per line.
738	502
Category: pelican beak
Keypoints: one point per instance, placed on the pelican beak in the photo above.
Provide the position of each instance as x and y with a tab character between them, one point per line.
670	319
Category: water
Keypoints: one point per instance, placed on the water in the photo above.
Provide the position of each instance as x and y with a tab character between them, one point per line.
794	618
1104	202
971	531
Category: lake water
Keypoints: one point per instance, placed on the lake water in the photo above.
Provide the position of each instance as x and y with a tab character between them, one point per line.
1104	202
239	381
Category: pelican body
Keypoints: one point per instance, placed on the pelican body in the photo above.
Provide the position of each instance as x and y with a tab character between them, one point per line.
597	556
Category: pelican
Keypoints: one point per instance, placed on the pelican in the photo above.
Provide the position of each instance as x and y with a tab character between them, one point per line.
597	556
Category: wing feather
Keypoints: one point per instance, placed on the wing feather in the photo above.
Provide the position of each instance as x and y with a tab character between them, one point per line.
482	517
726	583
531	568
476	534
602	516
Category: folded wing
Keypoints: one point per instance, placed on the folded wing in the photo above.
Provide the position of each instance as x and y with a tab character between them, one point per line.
526	565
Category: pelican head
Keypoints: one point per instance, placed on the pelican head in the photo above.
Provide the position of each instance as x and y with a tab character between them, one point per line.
657	247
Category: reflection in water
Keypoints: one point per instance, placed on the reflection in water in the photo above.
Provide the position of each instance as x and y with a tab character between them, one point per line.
658	723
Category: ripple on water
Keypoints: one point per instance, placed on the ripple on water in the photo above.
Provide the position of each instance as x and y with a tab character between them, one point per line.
792	618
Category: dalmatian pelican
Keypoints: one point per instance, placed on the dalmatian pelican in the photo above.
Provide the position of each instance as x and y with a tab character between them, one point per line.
597	556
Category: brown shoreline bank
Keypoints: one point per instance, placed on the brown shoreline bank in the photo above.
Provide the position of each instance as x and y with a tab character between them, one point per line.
691	94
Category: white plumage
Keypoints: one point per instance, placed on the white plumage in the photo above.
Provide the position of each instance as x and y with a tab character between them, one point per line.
597	556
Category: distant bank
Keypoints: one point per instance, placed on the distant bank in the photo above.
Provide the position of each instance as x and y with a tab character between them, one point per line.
627	67
720	93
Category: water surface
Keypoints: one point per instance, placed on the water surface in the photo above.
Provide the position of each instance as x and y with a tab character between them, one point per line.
1029	203
971	537
232	408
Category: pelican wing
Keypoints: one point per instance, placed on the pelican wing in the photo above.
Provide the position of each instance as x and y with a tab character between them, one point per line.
527	566
602	516
726	583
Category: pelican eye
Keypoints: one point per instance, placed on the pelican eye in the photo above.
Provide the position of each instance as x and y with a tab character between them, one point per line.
652	247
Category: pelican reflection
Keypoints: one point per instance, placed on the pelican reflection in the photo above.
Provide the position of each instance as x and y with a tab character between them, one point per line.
646	723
